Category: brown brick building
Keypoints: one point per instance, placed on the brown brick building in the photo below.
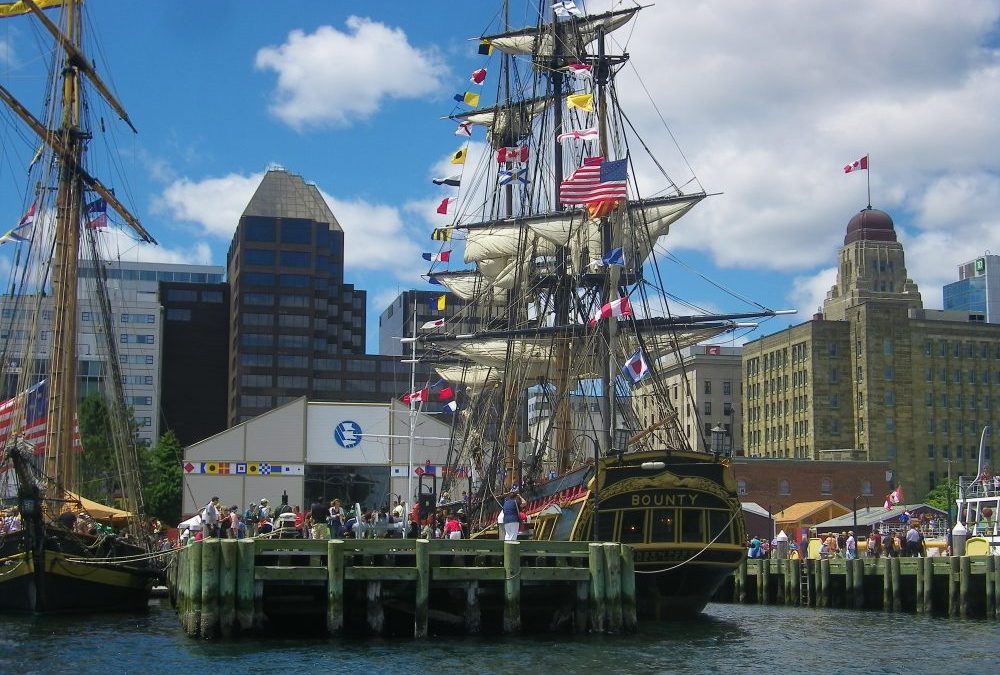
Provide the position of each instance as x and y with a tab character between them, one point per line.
779	483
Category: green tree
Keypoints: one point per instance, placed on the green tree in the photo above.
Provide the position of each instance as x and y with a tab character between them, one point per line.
163	479
938	497
98	471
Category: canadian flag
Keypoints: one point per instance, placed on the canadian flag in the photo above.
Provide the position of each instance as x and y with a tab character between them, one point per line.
893	498
619	307
415	397
517	155
857	165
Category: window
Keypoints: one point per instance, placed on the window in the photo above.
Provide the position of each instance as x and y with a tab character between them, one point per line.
890	398
784	488
692	525
260	257
181	295
293	381
930	451
727	388
142	400
295	259
261	360
708	407
292	361
293	281
293	341
890	425
293	321
826	486
889	373
296	231
258	299
136	339
256	228
866	488
177	314
256	340
293	300
253	319
257	279
708	386
211	296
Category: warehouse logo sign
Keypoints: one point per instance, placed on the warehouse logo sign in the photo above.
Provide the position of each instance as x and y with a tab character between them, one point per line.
347	434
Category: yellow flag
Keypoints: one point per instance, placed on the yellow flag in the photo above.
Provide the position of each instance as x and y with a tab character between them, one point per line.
441	303
18	8
471	99
459	157
582	101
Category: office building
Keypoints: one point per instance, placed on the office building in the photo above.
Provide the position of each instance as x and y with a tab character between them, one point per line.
875	376
977	290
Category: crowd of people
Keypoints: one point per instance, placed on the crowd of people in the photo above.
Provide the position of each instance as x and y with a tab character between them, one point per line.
907	542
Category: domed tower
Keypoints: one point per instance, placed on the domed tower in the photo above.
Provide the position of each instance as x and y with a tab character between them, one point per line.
870	267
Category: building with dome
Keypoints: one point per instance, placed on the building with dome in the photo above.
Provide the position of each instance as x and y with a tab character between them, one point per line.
875	376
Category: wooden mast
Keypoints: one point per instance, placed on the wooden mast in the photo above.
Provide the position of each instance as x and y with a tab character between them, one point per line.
60	464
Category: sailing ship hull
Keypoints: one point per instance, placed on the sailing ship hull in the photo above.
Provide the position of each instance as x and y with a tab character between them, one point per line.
678	510
52	581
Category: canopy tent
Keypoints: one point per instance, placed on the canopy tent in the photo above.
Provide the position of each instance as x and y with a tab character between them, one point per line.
102	513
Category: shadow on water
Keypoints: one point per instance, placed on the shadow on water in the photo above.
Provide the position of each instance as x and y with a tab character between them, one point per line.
727	638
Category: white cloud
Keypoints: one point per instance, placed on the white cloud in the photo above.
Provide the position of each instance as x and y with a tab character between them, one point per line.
808	292
214	204
769	103
331	78
117	245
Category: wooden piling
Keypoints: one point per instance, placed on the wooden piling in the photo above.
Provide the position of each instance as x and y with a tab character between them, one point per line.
334	586
765	566
183	606
824	572
897	585
630	619
244	583
953	587
848	584
194	587
512	587
210	587
741	583
375	611
964	585
613	587
797	581
921	580
778	566
473	614
582	606
996	587
991	599
423	589
596	560
227	587
859	583
887	584
928	599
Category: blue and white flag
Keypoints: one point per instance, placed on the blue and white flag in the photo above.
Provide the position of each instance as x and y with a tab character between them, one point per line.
636	368
508	177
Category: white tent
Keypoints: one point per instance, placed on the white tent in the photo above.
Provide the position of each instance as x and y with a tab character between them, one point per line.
192	523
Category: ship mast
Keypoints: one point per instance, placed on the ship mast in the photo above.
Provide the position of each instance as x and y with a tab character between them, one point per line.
59	460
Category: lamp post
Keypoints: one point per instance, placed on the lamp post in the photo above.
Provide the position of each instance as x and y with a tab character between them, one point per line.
855	500
718	440
774	523
595	495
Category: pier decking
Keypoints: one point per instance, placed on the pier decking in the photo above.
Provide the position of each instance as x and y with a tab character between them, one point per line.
396	586
956	586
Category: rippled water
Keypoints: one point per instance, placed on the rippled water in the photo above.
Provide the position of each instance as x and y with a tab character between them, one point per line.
727	638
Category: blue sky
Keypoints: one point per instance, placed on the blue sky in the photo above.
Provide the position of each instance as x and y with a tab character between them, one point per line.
767	101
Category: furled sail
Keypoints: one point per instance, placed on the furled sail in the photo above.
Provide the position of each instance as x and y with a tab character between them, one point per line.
540	41
506	125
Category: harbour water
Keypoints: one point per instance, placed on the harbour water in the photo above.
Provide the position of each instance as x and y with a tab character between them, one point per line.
727	638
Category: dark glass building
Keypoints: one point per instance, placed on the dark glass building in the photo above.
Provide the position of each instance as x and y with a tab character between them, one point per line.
295	328
195	351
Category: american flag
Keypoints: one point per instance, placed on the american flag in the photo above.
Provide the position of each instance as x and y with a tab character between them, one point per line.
35	419
596	180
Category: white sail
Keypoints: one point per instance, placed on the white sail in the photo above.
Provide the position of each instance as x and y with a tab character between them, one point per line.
541	41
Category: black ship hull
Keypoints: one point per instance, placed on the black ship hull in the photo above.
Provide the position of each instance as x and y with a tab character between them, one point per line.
52	579
678	510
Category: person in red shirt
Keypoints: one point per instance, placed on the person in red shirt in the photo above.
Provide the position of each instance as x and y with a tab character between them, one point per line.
452	528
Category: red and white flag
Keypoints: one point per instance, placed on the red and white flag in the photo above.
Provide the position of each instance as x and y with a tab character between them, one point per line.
436	323
464	129
443	206
415	397
636	367
517	155
579	135
580	71
893	498
619	307
478	76
857	165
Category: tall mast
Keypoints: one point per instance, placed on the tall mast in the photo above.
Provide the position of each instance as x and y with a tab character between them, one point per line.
60	464
610	327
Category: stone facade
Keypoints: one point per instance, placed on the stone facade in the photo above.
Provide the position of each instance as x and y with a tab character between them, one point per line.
885	381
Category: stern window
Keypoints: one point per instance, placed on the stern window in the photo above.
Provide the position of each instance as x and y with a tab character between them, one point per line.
692	525
664	528
633	530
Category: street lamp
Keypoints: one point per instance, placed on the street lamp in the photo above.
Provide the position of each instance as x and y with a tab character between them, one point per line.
867	503
770	516
718	440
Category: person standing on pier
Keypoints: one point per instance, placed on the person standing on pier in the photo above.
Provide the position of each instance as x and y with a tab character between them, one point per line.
318	514
210	516
512	505
913	541
851	546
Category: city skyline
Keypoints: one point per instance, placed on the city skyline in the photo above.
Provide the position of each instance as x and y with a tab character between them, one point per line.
767	106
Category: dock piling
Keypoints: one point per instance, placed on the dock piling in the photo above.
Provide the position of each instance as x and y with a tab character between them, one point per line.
512	587
613	587
227	587
423	589
194	586
334	586
964	585
245	584
630	620
596	588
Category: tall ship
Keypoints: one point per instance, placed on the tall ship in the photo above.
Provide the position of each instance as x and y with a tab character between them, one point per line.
59	551
563	287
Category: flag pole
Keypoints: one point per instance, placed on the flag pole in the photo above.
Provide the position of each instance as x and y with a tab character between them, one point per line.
868	175
412	416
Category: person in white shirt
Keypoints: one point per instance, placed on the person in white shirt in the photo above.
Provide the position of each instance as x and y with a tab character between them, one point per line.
210	516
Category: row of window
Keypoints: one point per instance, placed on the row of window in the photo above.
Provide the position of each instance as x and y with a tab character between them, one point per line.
969	350
136	339
958	376
727	388
959	401
946	426
150	275
191	295
945	451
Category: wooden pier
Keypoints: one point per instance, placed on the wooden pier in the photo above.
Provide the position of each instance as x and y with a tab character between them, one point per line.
956	586
221	588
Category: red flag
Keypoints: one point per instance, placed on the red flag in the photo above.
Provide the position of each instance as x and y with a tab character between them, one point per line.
517	155
478	76
445	394
415	397
443	206
857	165
619	307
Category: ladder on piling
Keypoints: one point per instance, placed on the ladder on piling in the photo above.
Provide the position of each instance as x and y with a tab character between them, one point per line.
804	599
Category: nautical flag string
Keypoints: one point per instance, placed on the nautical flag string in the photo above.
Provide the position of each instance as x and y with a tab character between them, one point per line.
464	129
22	232
636	367
580	71
566	8
459	156
478	76
584	102
485	48
430	325
443	206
